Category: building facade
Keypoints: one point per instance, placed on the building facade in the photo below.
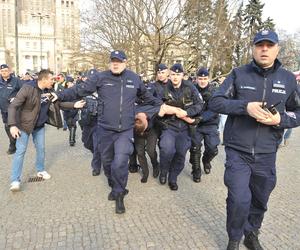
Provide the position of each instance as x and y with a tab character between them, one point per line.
47	34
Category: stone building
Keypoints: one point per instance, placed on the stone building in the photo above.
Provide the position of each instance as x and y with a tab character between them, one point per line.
47	34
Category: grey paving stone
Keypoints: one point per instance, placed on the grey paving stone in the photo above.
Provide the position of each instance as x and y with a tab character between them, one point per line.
71	210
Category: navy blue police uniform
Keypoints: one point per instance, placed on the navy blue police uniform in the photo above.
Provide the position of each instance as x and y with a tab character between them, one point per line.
71	117
8	90
117	94
175	140
157	87
206	131
250	146
88	123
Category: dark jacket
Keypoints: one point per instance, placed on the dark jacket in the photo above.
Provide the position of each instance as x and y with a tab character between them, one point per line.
8	90
185	97
116	97
207	116
250	83
24	111
157	88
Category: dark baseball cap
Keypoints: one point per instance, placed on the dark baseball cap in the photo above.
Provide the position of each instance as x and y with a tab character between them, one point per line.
161	67
177	68
4	66
266	35
202	72
118	54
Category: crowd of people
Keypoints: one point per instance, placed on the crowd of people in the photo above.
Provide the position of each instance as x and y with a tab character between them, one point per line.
123	118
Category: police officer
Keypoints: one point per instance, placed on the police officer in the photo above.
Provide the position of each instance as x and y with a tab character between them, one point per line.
60	85
175	139
71	116
9	86
162	78
207	129
88	123
117	90
252	132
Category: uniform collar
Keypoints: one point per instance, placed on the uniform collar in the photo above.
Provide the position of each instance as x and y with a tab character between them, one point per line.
8	80
277	64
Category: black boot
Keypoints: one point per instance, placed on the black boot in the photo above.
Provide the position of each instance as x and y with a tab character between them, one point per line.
163	178
207	158
145	172
173	186
195	155
112	197
96	172
206	167
196	174
12	141
72	136
156	171
120	208
133	168
251	241
233	245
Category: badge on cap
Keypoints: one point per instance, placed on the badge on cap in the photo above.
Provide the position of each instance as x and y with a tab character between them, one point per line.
265	32
4	66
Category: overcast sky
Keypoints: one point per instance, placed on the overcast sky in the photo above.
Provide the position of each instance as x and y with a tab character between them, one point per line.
286	13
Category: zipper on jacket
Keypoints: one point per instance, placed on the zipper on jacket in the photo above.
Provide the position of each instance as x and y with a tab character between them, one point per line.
258	126
121	103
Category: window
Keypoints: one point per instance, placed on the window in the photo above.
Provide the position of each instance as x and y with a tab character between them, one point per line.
27	45
35	60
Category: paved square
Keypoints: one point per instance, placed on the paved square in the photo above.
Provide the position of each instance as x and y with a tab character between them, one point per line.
71	210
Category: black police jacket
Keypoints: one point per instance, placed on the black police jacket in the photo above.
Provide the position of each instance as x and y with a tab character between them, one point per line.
116	97
250	83
185	97
207	116
8	90
157	88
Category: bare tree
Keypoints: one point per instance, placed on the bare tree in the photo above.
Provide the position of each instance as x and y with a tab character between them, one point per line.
143	28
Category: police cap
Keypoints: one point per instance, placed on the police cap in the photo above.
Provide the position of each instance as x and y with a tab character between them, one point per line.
161	67
69	79
177	68
4	66
118	54
202	72
266	35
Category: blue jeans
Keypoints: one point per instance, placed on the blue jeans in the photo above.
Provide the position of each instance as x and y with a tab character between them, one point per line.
38	136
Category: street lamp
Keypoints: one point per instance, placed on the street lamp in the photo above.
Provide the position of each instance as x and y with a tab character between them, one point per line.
40	16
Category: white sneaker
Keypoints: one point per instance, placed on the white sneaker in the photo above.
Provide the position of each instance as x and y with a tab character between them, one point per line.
44	175
15	186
